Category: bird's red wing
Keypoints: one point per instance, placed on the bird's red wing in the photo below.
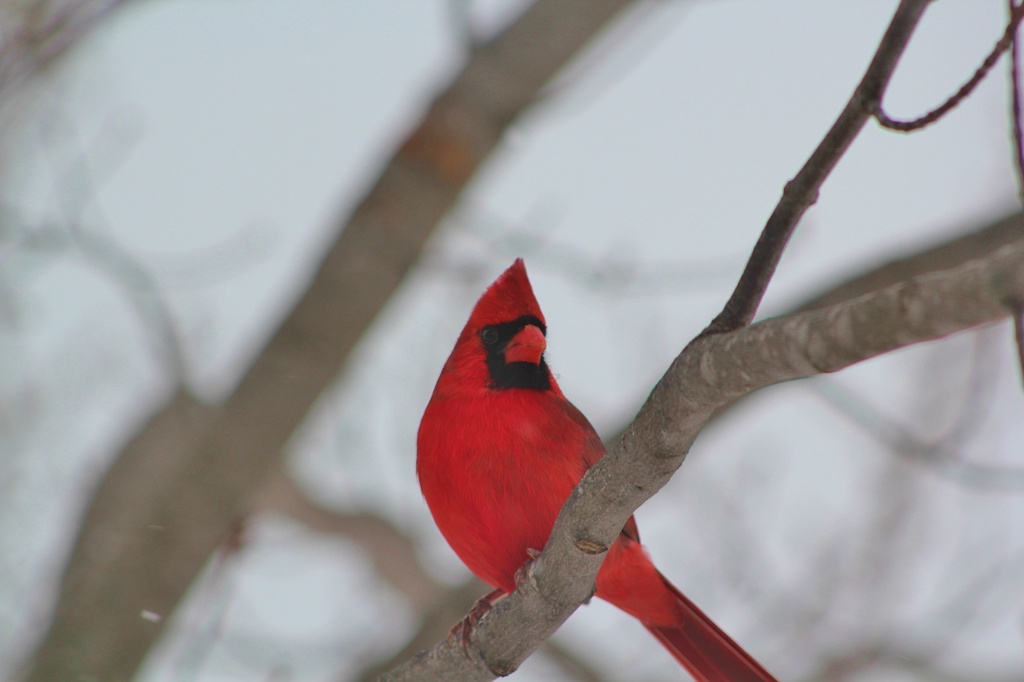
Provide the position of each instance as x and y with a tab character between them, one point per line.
592	453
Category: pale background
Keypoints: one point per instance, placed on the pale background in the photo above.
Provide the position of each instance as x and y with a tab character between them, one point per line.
214	144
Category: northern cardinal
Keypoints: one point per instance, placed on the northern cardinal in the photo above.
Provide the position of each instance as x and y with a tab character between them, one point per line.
499	451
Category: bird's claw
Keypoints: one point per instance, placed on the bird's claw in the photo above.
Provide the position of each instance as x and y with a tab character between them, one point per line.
464	628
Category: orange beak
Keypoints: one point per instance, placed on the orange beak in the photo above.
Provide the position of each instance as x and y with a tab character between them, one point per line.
526	346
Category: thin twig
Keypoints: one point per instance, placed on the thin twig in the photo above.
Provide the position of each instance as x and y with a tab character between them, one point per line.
391	549
1018	332
43	36
617	272
1018	137
802	191
940	457
965	90
133	278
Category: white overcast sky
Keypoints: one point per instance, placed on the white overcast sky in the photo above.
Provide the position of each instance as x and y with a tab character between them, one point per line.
224	140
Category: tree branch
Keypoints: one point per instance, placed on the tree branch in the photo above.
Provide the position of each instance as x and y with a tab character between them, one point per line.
709	372
979	242
392	551
1007	39
801	192
394	556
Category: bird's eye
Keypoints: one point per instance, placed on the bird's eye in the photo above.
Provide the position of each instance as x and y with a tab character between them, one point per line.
489	335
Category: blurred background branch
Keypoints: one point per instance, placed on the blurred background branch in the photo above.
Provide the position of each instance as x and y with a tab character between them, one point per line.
145	536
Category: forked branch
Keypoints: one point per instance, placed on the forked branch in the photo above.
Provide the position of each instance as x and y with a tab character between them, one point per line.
802	191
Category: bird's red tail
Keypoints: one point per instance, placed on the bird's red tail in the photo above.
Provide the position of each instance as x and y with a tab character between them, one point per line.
704	649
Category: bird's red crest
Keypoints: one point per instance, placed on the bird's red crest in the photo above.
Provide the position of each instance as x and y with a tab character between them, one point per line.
509	298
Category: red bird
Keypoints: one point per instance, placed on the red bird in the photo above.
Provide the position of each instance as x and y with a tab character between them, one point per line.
498	453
